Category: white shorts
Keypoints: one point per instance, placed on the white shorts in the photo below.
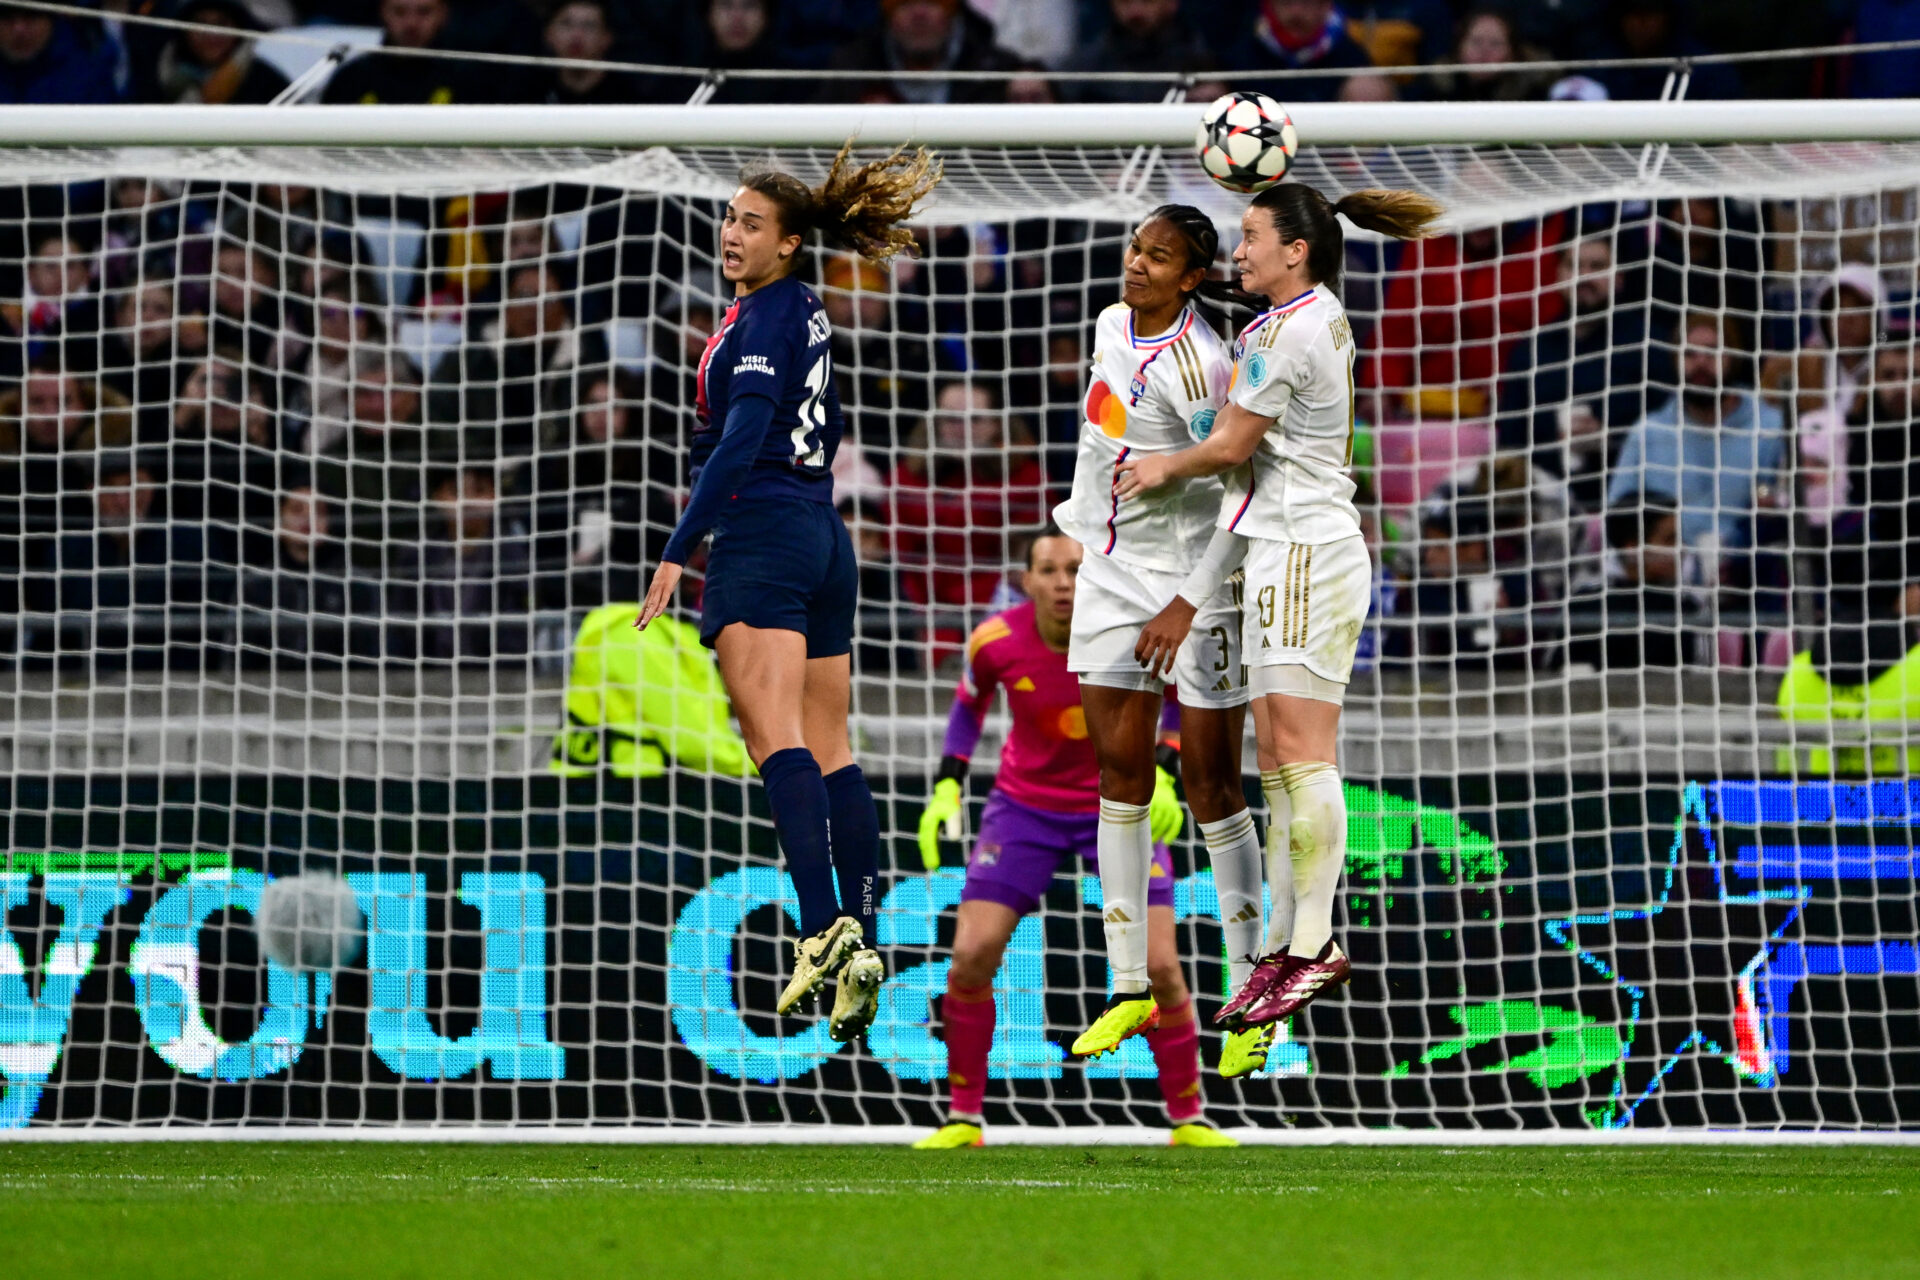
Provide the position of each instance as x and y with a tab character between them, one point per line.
1113	601
1305	605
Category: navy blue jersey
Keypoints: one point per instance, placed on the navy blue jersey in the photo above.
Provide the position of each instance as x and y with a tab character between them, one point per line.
774	343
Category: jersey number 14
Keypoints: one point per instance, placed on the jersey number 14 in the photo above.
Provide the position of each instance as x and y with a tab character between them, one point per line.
807	449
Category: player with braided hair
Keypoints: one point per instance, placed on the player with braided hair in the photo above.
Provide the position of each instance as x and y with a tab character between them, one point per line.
1285	442
781	579
1159	378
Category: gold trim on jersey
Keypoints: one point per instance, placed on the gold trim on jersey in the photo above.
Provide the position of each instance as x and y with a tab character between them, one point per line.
1296	596
1193	377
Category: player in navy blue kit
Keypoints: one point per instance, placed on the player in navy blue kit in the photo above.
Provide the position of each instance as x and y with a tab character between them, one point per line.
781	579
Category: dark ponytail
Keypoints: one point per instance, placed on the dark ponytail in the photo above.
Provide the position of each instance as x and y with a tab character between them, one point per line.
1301	213
1203	246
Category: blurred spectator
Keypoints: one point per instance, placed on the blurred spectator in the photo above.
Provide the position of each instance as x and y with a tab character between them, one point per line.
1713	450
1640	603
967	486
222	465
1706	257
875	650
474	567
143	225
583	29
1880	75
1572	390
741	36
53	412
1044	33
1404	33
141	352
1871	566
1296	35
1487	37
130	554
46	61
1452	307
374	470
201	66
1654	29
301	566
1145	36
246	304
374	77
57	311
604	496
922	35
518	372
319	390
882	366
1063	396
1830	374
278	219
1451	610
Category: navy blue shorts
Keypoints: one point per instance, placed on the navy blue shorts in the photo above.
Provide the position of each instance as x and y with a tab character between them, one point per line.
783	566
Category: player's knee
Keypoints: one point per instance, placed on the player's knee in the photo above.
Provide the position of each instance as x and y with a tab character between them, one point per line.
972	968
1126	784
1212	800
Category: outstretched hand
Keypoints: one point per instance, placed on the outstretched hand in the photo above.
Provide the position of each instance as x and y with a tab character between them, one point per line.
1142	473
659	594
1161	638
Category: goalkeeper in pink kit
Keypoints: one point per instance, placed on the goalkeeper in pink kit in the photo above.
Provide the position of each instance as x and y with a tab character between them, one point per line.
1041	819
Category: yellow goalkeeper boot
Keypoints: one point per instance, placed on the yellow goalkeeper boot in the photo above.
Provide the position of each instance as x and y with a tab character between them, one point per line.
1198	1133
1245	1050
1127	1014
856	998
817	957
953	1136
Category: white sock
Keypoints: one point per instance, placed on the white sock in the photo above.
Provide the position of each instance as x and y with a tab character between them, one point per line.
1319	845
1233	848
1279	861
1125	845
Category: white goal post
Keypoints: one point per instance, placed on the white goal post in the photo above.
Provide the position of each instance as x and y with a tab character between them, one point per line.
325	430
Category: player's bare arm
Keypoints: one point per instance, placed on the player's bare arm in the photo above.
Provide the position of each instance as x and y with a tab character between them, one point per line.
1236	434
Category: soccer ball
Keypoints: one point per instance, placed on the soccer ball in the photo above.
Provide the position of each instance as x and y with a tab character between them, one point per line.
1246	141
309	922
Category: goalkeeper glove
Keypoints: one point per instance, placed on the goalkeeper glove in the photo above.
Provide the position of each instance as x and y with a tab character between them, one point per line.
943	810
1164	815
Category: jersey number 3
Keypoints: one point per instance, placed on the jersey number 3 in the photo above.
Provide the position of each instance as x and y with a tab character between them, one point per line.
807	449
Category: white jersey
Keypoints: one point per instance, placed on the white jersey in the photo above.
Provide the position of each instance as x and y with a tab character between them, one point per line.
1294	364
1147	395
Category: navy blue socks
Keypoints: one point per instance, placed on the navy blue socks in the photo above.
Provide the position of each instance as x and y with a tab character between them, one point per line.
798	797
856	847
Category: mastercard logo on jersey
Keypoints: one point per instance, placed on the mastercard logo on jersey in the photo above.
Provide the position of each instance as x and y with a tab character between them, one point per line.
1106	410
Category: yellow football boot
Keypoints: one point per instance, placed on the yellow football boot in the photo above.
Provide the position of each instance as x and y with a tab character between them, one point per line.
1127	1014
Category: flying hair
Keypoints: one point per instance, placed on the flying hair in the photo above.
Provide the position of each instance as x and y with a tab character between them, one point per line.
858	208
1299	212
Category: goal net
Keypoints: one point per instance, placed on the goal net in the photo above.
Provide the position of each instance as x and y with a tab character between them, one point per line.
328	470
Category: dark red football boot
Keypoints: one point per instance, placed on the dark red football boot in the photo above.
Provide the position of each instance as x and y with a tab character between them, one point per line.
1269	970
1301	983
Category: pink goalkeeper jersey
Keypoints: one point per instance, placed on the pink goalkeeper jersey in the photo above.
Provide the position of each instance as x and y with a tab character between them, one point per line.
1047	762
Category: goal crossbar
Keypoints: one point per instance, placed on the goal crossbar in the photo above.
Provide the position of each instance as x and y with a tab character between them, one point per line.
1157	124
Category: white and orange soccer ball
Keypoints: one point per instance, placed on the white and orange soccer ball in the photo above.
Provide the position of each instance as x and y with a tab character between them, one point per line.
1246	142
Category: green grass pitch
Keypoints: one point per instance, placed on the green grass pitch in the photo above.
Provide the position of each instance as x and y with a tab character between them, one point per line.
289	1211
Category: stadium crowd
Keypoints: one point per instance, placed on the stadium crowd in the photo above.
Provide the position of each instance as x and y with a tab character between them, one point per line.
294	423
